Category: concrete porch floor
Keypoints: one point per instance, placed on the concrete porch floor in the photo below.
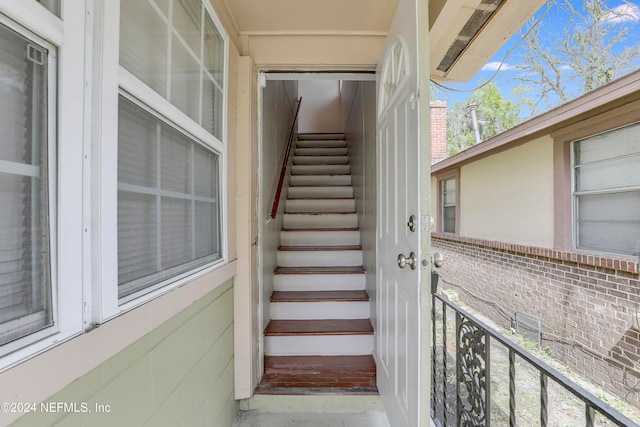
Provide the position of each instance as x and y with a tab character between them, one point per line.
310	419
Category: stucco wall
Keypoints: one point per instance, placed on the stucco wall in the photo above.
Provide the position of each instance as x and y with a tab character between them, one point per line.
181	373
500	194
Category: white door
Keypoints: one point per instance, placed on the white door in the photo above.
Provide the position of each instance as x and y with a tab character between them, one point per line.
402	301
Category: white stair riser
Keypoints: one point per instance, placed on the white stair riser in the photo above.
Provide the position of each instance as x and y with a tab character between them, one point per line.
310	143
319	282
320	192
328	180
327	345
320	160
320	169
315	151
320	205
319	258
320	221
319	238
319	310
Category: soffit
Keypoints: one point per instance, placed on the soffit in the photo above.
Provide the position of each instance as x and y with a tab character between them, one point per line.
314	16
460	42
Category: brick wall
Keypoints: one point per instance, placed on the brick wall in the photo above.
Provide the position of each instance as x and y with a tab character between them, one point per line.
438	130
585	303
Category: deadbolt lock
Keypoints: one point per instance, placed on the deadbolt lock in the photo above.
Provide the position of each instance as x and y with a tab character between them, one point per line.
413	223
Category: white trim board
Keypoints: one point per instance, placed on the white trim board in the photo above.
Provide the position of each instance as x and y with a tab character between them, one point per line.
362	77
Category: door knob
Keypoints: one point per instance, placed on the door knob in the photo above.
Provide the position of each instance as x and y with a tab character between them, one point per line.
437	259
411	260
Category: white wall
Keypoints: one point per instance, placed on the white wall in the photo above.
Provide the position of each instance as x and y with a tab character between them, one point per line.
321	110
359	108
509	196
278	108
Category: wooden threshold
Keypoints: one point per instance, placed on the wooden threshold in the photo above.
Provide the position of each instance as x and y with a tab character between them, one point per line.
307	375
318	296
319	327
319	270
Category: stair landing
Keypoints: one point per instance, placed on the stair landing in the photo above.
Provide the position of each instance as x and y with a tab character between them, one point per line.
318	374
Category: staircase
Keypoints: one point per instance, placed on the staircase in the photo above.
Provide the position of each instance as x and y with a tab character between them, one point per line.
320	338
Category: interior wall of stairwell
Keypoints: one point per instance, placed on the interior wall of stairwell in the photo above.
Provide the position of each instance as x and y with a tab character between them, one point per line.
278	109
321	107
358	107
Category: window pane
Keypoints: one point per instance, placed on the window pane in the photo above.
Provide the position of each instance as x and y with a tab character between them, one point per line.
52	5
212	108
206	241
206	172
143	43
186	20
185	81
610	222
177	229
169	229
618	173
600	147
137	147
195	70
176	161
25	282
449	219
137	236
213	51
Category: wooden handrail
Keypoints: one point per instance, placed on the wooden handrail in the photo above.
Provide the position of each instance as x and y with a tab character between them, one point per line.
285	163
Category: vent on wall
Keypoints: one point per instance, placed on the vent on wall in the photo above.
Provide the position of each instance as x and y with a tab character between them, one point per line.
485	10
529	326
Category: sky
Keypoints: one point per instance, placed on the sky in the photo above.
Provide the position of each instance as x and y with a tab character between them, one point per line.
552	22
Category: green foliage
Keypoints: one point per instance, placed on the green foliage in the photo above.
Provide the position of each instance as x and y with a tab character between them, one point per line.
495	115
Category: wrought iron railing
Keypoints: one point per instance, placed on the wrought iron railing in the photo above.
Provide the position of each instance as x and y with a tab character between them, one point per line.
468	372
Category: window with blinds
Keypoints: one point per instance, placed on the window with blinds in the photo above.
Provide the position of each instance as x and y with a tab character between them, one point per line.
174	47
168	207
25	278
607	191
449	205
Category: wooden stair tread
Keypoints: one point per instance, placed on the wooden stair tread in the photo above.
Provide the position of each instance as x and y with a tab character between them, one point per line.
319	327
322	229
319	270
318	296
322	213
320	198
318	374
321	185
320	175
320	248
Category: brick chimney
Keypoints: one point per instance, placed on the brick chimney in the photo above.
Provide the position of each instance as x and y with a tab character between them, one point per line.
438	130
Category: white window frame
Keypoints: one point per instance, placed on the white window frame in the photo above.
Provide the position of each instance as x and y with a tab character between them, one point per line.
576	194
113	81
443	205
65	91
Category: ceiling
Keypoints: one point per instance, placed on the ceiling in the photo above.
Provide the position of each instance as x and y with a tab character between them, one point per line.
284	16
